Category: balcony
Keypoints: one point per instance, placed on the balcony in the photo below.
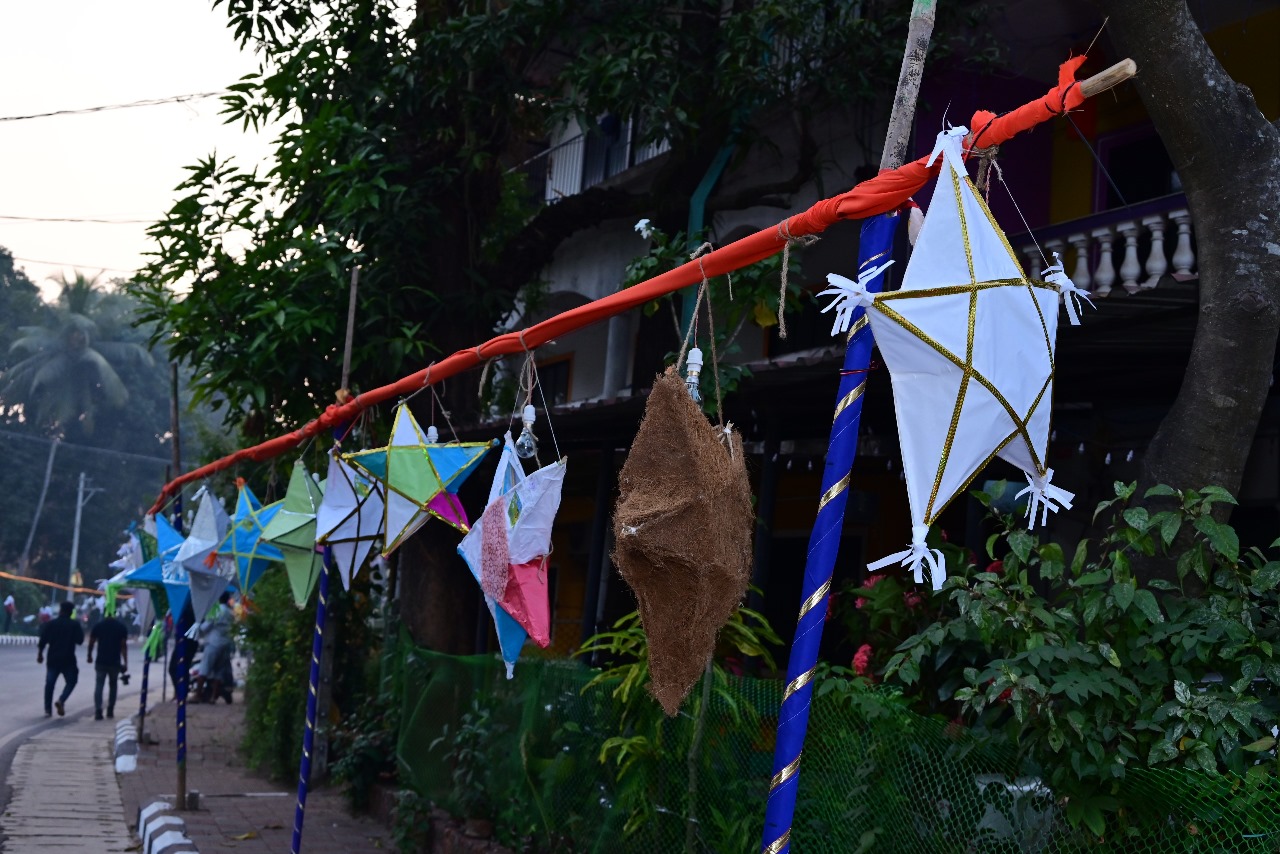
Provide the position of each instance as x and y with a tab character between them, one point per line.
584	160
1130	248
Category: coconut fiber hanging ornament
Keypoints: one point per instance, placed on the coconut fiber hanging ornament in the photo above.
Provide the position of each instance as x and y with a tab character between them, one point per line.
682	528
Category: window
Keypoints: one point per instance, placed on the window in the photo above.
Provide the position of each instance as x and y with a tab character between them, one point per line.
1138	165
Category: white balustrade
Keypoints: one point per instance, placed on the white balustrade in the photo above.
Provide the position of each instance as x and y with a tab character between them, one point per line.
1134	253
1130	269
1080	273
1105	274
1183	257
1156	264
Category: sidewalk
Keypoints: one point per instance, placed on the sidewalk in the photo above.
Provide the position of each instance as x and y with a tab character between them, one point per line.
239	809
65	794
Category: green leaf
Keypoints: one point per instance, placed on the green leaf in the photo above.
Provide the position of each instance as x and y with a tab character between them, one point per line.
1109	654
1161	489
1212	494
1137	517
1181	692
1123	592
1265	743
1222	537
1267	576
1022	543
1146	602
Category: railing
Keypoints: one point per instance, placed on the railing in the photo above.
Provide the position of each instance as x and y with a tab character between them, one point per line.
585	160
1131	248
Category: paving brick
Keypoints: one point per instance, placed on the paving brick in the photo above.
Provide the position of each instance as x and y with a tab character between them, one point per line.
234	801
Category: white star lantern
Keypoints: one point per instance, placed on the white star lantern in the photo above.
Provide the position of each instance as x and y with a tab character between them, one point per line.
969	343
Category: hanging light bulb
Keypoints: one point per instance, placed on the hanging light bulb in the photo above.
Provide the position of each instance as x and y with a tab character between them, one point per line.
693	370
527	444
433	435
810	465
1128	458
1107	461
1080	450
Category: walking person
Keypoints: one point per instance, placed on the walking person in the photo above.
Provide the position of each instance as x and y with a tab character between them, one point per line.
112	639
10	611
62	635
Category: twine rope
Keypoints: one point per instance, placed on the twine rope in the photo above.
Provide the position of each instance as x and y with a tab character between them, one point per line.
784	233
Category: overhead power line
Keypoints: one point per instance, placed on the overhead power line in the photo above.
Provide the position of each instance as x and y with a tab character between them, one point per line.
106	220
71	264
146	102
8	434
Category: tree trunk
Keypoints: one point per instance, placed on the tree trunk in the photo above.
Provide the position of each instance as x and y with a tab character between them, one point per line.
1228	157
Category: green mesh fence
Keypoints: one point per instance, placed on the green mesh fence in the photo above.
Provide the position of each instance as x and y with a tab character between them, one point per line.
875	777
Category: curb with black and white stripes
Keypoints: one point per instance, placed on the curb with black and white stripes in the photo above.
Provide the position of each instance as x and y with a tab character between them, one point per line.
161	831
18	640
126	747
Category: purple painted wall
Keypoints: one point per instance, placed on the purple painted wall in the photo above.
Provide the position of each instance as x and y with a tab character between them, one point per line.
1026	160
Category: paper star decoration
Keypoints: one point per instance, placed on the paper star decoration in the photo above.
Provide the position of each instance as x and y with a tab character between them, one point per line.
350	517
507	548
161	572
421	477
208	530
969	343
293	531
208	574
243	542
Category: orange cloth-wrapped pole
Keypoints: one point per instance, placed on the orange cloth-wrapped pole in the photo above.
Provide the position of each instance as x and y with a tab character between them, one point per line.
885	192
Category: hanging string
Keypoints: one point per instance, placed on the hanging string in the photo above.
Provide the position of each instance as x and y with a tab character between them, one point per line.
987	159
691	334
784	233
546	407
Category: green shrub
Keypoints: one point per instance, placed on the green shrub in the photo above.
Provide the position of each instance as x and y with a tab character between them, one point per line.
1090	672
278	637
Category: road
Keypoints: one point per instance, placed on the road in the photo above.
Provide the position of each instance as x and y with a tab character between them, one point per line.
22	702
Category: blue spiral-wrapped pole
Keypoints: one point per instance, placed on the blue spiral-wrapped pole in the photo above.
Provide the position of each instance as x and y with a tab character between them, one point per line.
309	734
146	672
180	694
824	543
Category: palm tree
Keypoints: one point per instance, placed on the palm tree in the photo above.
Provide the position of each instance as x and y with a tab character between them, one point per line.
64	372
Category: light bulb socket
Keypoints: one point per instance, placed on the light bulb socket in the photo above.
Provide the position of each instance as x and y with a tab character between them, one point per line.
694	360
433	435
530	414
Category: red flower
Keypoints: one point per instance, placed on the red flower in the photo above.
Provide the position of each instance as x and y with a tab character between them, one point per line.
996	566
912	598
862	660
1005	695
871	581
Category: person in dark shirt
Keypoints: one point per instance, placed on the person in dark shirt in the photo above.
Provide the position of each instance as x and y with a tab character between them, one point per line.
62	636
111	638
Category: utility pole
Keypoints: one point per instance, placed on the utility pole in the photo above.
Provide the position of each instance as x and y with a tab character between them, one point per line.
25	559
83	494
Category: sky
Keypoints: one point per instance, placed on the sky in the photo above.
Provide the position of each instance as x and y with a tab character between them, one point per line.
118	164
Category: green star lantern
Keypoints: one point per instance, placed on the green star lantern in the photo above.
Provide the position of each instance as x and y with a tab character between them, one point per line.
293	531
421	476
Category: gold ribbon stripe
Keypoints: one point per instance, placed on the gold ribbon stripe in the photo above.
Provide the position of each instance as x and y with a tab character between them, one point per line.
778	844
812	602
848	399
792	769
839	487
799	682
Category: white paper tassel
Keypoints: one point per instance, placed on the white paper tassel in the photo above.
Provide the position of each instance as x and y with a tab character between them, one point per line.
193	632
850	295
916	558
1071	295
950	146
1044	498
